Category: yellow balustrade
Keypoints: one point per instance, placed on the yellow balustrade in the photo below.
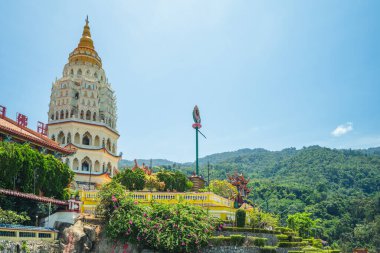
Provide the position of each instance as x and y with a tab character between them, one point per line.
217	205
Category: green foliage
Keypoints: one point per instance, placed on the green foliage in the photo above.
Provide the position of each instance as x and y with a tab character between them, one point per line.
11	217
132	180
268	249
219	241
21	167
282	237
223	188
261	219
174	181
240	217
257	241
163	227
237	240
302	223
291	244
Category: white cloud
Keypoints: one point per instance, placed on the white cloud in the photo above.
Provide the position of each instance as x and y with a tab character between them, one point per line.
342	129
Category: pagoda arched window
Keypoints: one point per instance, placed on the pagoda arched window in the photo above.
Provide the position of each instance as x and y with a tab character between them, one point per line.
97	166
97	141
79	73
108	144
56	115
75	164
68	138
52	117
61	138
53	137
94	116
62	114
86	164
77	138
67	114
82	114
87	139
88	115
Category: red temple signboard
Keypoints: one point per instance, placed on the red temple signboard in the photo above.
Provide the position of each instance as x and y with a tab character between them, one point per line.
22	120
3	111
41	128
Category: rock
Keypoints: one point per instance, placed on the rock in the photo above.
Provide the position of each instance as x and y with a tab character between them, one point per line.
90	232
78	238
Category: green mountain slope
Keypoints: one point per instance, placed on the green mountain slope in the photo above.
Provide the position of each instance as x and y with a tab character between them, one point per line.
340	187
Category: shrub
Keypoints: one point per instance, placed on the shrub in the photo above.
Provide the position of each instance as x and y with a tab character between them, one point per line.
220	241
257	241
310	249
162	227
240	218
295	251
296	239
237	240
291	244
237	229
282	237
268	249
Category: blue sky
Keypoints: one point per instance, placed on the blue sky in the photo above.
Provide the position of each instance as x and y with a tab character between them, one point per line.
270	74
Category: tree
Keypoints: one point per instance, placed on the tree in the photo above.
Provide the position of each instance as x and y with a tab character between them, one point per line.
303	223
132	180
11	217
25	169
223	188
260	219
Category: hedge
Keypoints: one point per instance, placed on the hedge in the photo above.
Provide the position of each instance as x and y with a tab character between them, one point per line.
295	251
237	240
282	237
291	244
233	240
236	229
268	249
220	240
252	230
257	241
240	218
296	239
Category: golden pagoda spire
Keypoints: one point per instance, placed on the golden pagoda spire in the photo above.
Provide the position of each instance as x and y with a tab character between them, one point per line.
85	51
86	40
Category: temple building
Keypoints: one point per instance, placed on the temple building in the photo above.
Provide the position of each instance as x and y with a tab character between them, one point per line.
82	115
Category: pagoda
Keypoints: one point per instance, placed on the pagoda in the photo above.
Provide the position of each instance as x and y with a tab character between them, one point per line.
82	115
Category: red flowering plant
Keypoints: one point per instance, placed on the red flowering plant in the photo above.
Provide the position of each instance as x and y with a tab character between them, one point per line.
167	228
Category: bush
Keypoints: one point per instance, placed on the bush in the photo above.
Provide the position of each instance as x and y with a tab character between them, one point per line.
295	251
233	240
257	241
296	239
237	229
282	237
310	249
265	231
240	218
237	240
219	241
166	228
291	244
268	249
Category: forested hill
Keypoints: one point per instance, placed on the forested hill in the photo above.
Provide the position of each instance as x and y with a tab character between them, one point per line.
340	187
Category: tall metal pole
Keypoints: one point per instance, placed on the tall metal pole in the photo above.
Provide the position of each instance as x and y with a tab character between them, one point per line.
208	173
196	152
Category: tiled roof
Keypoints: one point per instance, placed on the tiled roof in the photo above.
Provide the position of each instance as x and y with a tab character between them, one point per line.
11	127
31	228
